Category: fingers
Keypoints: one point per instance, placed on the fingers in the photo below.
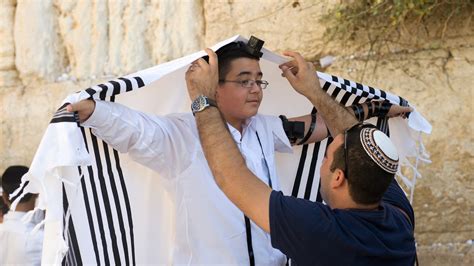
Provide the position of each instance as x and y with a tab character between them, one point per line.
200	63
298	59
76	107
212	57
84	109
287	73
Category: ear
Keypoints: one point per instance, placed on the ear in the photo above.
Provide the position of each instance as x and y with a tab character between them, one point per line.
338	178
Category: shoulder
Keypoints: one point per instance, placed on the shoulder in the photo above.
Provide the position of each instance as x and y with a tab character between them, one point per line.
267	118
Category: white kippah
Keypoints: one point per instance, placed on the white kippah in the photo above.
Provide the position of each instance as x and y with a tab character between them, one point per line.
380	148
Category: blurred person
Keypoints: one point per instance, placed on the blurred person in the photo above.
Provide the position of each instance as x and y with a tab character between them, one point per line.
19	245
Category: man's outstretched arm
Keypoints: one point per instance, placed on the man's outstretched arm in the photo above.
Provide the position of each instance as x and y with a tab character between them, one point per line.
302	77
233	177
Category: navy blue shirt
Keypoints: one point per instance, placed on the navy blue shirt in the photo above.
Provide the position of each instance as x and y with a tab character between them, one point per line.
311	233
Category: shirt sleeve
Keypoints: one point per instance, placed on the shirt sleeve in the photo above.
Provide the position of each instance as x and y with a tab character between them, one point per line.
156	142
396	197
296	225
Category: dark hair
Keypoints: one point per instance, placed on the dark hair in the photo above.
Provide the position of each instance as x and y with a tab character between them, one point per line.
11	180
227	53
3	206
367	181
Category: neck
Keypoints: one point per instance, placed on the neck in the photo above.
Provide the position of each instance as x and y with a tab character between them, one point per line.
345	201
25	206
355	206
236	123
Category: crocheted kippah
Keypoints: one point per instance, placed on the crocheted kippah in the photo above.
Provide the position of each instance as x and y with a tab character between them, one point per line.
380	148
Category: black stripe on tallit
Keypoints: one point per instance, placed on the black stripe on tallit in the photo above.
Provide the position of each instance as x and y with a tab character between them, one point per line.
139	82
249	241
118	206
299	171
87	204
74	252
128	84
71	118
357	99
103	93
326	86
90	91
128	209
116	86
319	198
382	125
106	200
345	98
371	90
404	102
62	106
312	170
127	203
364	94
97	208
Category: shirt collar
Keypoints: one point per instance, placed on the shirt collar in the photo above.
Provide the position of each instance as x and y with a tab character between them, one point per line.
249	123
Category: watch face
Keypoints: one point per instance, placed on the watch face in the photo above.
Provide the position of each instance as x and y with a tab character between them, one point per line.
199	104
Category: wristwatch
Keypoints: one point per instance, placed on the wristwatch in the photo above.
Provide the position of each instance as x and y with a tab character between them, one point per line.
201	103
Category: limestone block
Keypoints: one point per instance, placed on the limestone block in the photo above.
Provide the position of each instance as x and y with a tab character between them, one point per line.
281	24
38	48
135	43
25	113
179	31
7	46
8	75
83	28
8	78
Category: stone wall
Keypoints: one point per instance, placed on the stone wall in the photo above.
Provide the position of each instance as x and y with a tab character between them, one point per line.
51	48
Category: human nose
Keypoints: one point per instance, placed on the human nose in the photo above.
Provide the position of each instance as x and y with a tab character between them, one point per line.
254	87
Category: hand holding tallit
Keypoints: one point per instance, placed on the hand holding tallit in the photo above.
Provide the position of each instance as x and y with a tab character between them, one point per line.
84	109
202	78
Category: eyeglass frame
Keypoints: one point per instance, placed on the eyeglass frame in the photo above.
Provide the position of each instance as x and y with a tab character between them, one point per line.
263	83
346	150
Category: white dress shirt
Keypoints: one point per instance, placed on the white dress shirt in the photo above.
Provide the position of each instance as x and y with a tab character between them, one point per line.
18	244
210	229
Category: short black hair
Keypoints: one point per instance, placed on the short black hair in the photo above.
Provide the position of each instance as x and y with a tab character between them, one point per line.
229	52
3	206
367	180
11	180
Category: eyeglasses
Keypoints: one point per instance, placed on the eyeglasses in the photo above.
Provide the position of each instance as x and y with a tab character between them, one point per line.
248	83
346	146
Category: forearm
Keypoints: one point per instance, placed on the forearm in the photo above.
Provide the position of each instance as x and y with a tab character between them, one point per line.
337	118
140	135
243	188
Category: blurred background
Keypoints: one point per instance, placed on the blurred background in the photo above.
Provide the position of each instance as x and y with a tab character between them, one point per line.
422	50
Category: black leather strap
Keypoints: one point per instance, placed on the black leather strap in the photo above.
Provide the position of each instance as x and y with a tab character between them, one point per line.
249	241
311	127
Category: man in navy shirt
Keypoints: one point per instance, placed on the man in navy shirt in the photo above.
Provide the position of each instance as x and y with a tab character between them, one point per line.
367	219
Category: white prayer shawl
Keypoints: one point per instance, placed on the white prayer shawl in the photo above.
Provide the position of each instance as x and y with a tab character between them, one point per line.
103	208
